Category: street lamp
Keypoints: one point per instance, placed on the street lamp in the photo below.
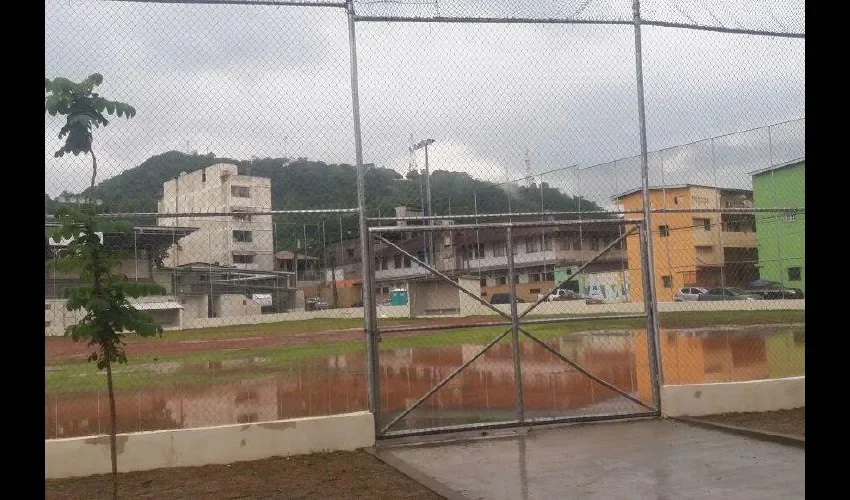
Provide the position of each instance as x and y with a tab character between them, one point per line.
429	254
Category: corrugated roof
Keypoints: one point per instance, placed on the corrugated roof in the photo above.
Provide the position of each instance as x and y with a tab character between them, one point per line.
678	186
791	163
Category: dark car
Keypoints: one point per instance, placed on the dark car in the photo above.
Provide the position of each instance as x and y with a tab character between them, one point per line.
727	293
504	298
767	289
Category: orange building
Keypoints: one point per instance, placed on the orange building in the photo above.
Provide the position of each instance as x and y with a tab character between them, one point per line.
706	249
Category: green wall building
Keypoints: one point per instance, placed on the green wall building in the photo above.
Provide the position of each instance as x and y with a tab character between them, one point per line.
781	237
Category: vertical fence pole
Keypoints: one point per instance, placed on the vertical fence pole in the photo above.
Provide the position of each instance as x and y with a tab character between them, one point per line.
514	327
777	217
652	340
650	299
367	280
717	196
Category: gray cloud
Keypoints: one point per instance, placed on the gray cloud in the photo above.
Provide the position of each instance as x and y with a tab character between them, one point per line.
265	81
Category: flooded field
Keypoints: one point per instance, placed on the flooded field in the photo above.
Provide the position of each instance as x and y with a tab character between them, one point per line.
171	395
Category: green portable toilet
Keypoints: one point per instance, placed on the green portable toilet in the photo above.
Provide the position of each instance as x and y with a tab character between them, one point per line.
398	297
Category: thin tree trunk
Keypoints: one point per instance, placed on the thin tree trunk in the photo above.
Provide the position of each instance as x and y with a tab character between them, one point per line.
93	175
112	451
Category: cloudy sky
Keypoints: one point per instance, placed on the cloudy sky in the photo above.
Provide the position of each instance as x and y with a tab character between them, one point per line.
245	81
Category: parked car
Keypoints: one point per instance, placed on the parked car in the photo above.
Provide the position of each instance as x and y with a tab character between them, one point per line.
504	298
315	304
563	294
767	289
727	293
689	293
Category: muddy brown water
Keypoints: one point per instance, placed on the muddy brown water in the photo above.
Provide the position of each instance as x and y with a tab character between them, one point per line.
253	390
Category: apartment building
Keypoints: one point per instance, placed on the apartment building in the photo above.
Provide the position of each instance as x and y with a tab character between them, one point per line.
242	239
483	254
782	236
706	249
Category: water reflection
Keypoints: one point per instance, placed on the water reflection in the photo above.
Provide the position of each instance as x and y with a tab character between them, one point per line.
252	390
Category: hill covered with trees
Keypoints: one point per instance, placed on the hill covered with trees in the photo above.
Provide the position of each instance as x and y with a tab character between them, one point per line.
308	184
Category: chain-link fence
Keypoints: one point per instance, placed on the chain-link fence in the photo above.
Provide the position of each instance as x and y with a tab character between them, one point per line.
238	176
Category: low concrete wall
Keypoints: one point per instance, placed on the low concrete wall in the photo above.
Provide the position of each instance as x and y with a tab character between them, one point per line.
208	445
56	320
584	309
350	312
733	397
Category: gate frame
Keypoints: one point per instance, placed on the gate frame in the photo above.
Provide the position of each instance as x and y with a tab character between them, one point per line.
515	328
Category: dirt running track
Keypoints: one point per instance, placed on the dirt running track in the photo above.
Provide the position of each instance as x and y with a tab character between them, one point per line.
63	348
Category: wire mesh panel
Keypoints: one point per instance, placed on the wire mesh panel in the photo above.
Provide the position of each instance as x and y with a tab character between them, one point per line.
242	122
449	355
226	141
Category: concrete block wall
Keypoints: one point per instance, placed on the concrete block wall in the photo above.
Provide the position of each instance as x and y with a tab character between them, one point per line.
209	445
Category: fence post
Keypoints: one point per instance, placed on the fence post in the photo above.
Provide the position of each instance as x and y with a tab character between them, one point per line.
367	279
652	337
650	298
509	249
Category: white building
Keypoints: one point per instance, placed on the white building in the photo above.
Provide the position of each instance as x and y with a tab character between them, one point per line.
241	240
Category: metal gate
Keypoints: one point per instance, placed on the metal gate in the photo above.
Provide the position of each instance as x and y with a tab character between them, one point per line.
443	355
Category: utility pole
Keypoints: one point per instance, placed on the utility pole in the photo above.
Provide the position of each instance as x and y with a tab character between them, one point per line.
429	253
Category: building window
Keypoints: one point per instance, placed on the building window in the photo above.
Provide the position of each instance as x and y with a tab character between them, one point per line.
794	274
499	249
564	243
667	281
530	245
502	280
516	248
594	244
534	290
534	278
240	191
241	216
406	261
664	231
790	216
447	240
577	244
349	252
516	278
483	282
397	261
384	264
705	223
243	259
242	236
547	244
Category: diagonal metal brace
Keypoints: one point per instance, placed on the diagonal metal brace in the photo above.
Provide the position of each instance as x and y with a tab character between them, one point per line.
443	276
585	372
444	382
579	270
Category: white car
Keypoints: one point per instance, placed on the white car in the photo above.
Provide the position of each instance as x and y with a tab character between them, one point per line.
689	293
